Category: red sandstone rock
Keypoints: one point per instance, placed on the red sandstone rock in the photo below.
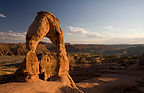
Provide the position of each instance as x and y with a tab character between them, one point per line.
45	25
30	68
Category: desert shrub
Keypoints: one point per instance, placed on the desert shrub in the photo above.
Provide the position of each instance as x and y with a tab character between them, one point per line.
71	60
81	60
6	78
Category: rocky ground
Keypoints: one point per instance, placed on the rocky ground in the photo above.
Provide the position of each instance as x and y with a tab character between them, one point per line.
117	80
90	78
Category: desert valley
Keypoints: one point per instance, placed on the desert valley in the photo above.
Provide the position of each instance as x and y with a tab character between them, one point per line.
102	68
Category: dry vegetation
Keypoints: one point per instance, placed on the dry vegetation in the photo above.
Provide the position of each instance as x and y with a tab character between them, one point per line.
82	65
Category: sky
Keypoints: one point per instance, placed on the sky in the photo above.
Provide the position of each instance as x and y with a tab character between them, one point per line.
83	21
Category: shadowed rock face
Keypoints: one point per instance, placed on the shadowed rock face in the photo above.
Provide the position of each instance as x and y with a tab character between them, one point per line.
44	25
141	62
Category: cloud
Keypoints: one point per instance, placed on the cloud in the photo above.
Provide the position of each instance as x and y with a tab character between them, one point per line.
112	35
125	34
111	28
83	32
122	40
109	41
45	39
2	15
12	36
16	37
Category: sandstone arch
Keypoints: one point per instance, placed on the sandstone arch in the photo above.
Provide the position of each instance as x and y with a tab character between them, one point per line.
44	25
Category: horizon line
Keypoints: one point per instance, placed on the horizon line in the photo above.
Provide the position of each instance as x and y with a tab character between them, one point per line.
72	43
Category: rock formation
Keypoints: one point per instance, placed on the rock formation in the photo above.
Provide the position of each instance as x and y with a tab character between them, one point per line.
44	25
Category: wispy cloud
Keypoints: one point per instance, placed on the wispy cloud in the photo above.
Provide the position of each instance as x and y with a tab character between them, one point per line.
83	32
2	15
45	39
120	35
123	32
111	28
12	36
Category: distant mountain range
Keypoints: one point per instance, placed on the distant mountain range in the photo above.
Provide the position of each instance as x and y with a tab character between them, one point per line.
108	50
19	49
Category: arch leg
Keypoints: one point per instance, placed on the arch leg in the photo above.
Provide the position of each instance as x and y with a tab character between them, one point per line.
30	67
63	62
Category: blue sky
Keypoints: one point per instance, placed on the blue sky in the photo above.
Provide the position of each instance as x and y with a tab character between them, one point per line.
83	21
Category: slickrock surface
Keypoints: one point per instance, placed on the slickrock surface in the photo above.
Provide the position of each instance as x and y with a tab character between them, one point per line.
36	87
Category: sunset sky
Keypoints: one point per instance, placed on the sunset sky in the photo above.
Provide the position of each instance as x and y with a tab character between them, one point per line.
83	21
